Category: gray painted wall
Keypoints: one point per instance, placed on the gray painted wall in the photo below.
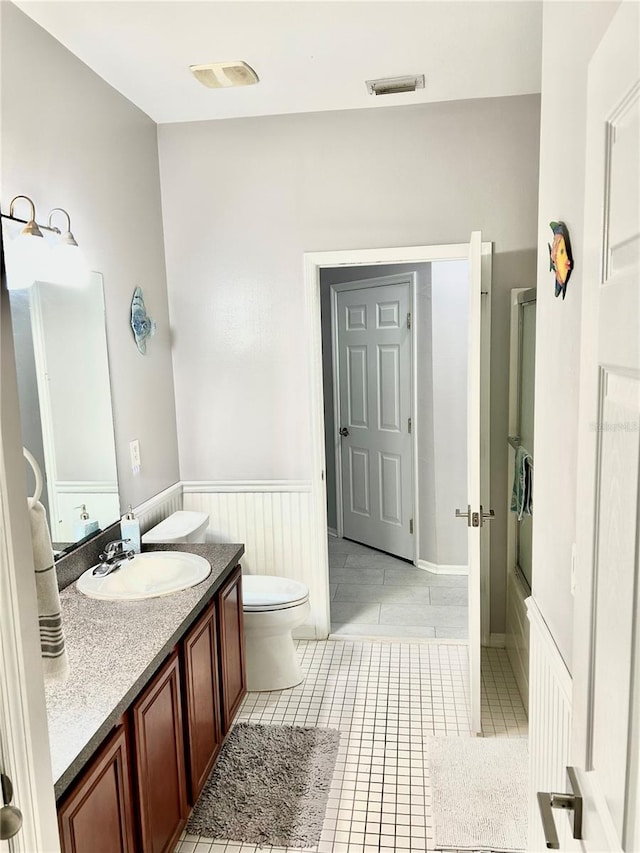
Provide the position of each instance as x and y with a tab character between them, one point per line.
562	159
260	192
70	140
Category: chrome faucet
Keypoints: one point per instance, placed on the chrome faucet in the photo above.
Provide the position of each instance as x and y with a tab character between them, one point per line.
113	556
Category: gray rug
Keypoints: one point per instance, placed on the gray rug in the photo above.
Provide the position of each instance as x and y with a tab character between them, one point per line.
480	793
270	786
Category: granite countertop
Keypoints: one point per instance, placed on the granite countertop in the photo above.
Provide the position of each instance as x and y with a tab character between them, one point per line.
114	647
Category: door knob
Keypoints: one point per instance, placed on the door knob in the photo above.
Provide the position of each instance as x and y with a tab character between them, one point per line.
488	516
466	515
344	432
475	519
568	802
10	816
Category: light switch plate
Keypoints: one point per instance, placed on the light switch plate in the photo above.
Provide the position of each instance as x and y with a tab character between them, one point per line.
134	452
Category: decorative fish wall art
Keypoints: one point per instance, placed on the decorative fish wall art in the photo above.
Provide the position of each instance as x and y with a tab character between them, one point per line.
143	326
560	256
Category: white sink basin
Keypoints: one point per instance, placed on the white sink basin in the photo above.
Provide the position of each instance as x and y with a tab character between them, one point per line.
147	575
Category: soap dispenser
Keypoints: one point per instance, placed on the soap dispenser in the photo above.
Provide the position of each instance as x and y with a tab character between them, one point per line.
84	525
130	529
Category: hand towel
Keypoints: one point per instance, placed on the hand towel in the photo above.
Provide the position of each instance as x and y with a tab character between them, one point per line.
54	654
522	493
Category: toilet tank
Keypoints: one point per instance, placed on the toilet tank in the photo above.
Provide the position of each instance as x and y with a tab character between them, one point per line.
181	526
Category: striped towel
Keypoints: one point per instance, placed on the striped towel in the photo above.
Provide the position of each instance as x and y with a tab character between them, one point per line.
54	655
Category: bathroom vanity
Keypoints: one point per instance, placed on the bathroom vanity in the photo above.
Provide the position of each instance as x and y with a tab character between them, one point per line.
153	688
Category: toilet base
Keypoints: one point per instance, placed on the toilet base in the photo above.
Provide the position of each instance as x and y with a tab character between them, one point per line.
271	658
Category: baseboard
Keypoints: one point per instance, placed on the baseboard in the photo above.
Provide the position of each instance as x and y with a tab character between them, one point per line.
332	532
442	569
497	641
244	486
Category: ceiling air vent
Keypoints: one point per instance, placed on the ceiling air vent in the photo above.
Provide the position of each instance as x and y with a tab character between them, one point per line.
222	75
394	85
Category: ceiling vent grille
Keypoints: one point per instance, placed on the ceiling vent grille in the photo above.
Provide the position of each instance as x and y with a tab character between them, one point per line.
223	75
395	85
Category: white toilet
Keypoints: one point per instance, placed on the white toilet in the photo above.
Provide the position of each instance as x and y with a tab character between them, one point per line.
273	607
181	526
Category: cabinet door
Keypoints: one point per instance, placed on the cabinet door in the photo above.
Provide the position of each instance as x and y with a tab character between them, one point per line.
202	700
231	631
97	814
159	755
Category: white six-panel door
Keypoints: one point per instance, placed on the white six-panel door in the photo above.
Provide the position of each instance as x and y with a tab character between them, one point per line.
606	684
374	369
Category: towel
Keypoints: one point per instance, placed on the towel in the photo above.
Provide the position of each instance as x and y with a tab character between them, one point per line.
522	494
54	655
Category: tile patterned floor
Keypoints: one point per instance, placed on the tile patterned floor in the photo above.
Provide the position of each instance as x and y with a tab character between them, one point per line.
376	595
385	697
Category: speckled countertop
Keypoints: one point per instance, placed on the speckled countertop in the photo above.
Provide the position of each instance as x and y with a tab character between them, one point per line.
114	648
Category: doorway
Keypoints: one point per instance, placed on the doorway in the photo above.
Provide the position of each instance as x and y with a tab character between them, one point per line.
378	587
372	384
478	255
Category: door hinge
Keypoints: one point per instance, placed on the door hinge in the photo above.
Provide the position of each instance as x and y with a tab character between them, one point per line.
409	320
409	424
411	525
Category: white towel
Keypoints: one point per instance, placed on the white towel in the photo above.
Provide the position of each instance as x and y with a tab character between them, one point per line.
522	494
54	655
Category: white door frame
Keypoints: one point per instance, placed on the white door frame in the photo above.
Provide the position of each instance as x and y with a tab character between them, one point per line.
24	736
313	263
382	281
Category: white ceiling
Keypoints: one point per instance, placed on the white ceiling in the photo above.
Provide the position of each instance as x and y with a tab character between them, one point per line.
309	56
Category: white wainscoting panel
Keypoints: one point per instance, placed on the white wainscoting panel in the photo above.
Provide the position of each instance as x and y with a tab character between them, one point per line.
274	520
100	498
158	507
517	634
550	690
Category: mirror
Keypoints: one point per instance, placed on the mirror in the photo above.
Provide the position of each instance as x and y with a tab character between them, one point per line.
65	402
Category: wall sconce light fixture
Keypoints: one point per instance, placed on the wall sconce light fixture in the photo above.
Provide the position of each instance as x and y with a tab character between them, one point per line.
33	229
58	260
66	239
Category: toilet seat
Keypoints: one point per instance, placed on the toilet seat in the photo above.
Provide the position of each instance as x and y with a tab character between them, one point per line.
266	592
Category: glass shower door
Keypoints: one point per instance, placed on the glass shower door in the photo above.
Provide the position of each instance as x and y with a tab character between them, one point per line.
527	347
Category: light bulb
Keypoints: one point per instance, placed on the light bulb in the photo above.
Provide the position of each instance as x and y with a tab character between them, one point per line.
27	260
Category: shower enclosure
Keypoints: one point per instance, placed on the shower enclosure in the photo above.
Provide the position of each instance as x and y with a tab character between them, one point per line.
519	533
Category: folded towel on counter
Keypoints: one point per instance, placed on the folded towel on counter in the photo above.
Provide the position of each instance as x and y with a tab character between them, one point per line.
522	494
54	655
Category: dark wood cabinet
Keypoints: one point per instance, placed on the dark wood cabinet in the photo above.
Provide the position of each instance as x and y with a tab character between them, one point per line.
160	760
201	700
134	795
98	814
231	634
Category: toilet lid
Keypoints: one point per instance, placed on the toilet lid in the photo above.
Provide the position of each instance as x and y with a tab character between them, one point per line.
267	592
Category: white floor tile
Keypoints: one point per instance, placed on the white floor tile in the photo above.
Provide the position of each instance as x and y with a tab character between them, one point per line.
385	697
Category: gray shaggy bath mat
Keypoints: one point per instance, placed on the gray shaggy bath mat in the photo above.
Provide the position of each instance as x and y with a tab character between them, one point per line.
269	787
